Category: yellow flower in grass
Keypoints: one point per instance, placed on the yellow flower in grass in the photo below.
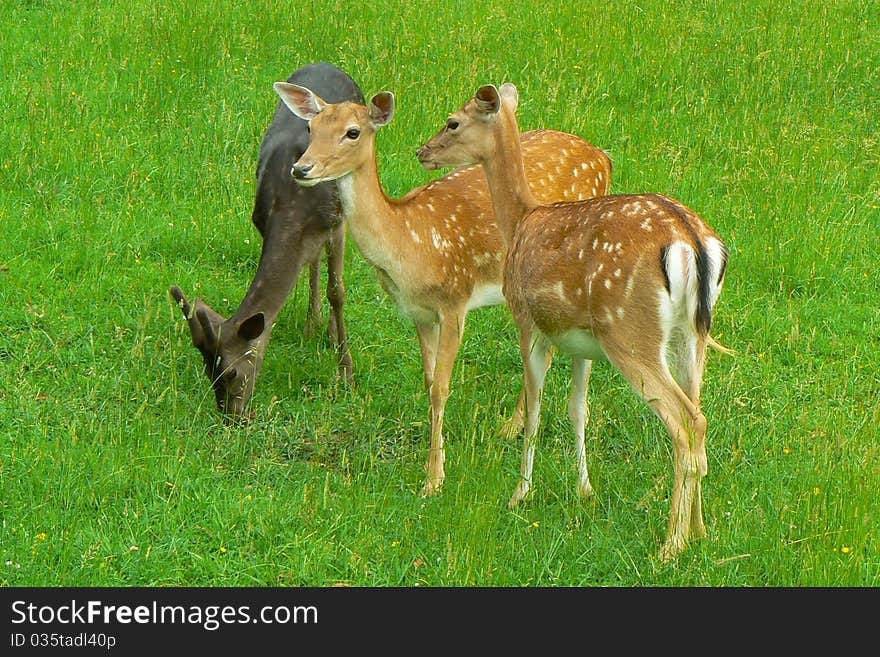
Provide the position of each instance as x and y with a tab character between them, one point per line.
846	549
42	536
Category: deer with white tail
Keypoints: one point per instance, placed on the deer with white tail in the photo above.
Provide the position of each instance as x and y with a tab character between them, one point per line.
629	278
437	250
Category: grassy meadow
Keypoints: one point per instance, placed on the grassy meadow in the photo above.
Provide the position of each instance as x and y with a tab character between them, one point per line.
128	149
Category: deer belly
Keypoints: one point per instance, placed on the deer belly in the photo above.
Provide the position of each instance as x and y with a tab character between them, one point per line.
415	312
485	295
578	342
408	308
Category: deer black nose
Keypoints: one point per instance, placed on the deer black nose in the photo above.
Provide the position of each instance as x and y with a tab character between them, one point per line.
301	171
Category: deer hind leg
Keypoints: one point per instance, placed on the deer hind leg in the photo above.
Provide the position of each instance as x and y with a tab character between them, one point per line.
688	355
535	357
336	296
437	382
698	529
513	426
578	413
652	380
314	315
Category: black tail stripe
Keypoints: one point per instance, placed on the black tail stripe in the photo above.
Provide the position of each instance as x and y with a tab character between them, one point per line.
725	256
663	251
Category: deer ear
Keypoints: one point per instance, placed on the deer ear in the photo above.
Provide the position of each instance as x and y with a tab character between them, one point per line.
207	322
180	298
488	100
252	327
301	101
195	327
382	109
509	94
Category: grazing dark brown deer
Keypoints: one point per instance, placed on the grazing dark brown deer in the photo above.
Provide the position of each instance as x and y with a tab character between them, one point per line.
628	278
296	224
437	251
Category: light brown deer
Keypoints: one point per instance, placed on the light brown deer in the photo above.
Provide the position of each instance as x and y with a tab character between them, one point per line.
628	278
437	250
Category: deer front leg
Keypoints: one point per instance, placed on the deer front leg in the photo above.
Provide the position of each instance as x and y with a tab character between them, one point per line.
534	351
514	425
314	315
448	342
429	335
336	296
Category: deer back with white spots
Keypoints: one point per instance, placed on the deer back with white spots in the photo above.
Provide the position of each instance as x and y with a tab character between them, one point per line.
437	250
628	278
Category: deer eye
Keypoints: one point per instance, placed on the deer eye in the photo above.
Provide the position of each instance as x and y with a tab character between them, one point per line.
353	133
452	124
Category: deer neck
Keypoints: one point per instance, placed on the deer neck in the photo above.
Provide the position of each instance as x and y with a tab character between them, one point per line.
286	249
370	215
512	199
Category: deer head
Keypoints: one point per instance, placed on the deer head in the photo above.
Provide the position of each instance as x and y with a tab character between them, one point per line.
448	148
231	349
350	140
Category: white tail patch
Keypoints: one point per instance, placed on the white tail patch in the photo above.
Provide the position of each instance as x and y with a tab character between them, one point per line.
717	254
678	307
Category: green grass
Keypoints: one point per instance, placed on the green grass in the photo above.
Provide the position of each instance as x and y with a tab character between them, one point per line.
127	154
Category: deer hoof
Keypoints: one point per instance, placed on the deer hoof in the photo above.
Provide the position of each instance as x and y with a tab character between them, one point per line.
671	549
313	326
585	490
346	369
512	428
432	488
520	494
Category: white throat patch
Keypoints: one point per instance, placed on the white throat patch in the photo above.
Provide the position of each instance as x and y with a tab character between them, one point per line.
345	184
